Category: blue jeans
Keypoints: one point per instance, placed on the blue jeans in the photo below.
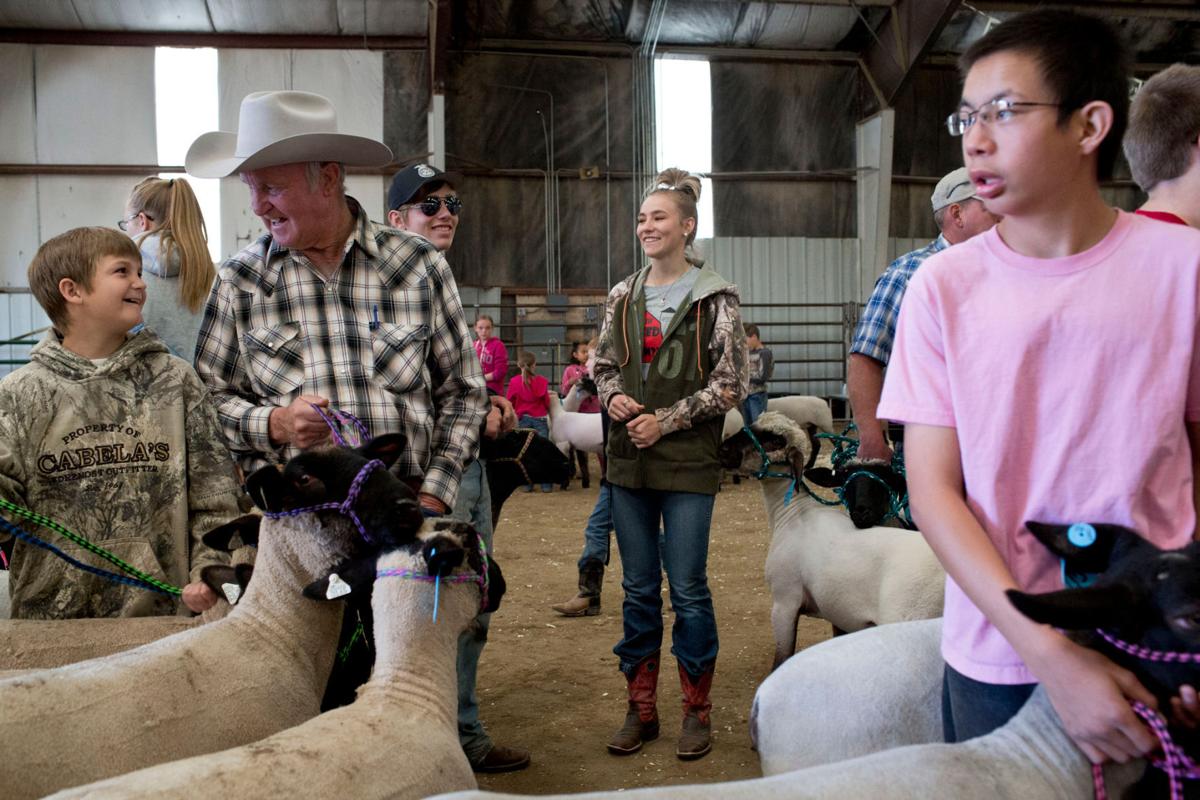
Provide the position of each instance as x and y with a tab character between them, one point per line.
473	505
972	708
754	405
599	526
540	425
683	551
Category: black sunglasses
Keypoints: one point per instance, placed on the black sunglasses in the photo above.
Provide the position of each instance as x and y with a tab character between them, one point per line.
430	205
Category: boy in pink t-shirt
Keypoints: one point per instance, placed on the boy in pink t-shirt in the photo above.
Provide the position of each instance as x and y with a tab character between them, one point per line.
493	355
1046	370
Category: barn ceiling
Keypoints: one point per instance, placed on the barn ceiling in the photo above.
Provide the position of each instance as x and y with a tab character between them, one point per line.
1160	31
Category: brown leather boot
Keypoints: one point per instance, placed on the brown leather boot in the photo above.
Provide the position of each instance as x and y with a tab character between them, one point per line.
641	720
587	602
695	739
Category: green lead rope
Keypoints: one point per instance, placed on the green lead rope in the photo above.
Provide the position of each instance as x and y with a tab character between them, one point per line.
90	547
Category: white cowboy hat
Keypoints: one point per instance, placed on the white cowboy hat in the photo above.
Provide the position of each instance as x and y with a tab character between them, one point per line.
281	128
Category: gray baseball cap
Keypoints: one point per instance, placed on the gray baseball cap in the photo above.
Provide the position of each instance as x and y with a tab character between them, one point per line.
955	187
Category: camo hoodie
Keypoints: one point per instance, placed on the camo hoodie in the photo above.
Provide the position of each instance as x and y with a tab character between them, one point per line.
698	374
127	454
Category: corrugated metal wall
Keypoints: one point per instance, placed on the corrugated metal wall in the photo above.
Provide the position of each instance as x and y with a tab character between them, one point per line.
19	315
794	289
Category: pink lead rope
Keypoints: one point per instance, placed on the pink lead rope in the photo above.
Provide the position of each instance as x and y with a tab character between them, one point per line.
1175	762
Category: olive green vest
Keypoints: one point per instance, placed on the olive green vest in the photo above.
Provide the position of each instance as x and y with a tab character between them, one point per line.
686	460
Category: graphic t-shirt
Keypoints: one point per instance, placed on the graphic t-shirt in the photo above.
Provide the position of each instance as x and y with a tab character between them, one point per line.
662	303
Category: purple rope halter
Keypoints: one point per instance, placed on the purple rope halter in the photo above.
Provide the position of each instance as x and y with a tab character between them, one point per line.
481	578
1175	762
336	420
346	507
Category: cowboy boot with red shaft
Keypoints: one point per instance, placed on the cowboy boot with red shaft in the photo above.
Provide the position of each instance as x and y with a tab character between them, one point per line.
641	720
695	738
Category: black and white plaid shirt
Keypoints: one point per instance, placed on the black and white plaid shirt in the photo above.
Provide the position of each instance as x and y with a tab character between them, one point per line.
384	339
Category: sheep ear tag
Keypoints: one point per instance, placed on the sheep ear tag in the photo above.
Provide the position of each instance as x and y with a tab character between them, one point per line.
337	587
232	591
1081	535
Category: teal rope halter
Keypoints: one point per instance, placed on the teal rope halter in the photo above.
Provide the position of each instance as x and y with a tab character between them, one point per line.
765	470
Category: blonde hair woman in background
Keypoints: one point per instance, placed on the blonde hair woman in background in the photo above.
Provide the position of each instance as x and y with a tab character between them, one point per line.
671	361
163	217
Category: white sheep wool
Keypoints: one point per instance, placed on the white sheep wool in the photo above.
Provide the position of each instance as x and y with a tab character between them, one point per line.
259	670
398	740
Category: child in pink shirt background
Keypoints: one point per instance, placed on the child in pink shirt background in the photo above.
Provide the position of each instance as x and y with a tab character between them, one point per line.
530	395
1030	387
493	355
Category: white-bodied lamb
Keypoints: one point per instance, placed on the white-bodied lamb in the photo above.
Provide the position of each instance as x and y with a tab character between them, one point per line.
261	669
850	696
573	429
1030	758
399	739
818	562
800	409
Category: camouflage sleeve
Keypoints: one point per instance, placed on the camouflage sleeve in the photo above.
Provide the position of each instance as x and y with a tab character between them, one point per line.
212	488
606	371
12	470
727	383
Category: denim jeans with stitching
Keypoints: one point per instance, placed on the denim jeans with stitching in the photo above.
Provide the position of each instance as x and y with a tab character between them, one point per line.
683	551
972	708
753	406
473	505
597	534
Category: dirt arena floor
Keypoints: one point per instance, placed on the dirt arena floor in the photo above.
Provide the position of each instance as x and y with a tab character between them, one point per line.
551	684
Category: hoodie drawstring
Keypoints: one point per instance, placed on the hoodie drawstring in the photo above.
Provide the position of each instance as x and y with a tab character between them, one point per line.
625	327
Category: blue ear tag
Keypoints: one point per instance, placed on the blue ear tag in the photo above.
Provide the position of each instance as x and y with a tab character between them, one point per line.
437	585
787	498
1081	534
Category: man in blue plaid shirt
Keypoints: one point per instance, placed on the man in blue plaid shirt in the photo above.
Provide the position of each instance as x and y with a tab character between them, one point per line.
331	309
959	215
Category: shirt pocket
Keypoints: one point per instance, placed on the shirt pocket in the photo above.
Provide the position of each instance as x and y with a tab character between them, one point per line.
399	356
276	357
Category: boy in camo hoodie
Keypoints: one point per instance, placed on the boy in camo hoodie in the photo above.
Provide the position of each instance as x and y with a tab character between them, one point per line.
111	436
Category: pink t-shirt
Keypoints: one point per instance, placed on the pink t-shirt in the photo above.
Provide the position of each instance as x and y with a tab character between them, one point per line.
1068	382
571	376
532	400
493	359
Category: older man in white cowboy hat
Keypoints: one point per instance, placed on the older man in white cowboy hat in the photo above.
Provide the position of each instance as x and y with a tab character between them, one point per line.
330	310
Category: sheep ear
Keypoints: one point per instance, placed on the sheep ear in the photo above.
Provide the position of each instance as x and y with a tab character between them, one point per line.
822	476
1075	549
347	580
1079	609
267	488
496	585
386	448
228	582
244	527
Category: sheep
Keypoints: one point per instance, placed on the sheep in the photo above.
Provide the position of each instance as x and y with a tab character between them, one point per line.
800	409
1031	758
28	644
820	564
399	739
572	429
866	489
261	669
517	458
850	696
1142	595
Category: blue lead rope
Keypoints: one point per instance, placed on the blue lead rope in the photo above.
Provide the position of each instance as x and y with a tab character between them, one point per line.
103	573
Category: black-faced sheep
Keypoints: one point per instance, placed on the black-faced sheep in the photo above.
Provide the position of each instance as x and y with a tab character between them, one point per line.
257	671
818	562
399	739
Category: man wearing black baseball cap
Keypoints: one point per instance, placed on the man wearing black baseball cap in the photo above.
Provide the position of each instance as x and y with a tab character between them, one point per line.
422	200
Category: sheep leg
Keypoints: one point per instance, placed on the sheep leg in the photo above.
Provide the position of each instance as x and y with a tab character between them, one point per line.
784	618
